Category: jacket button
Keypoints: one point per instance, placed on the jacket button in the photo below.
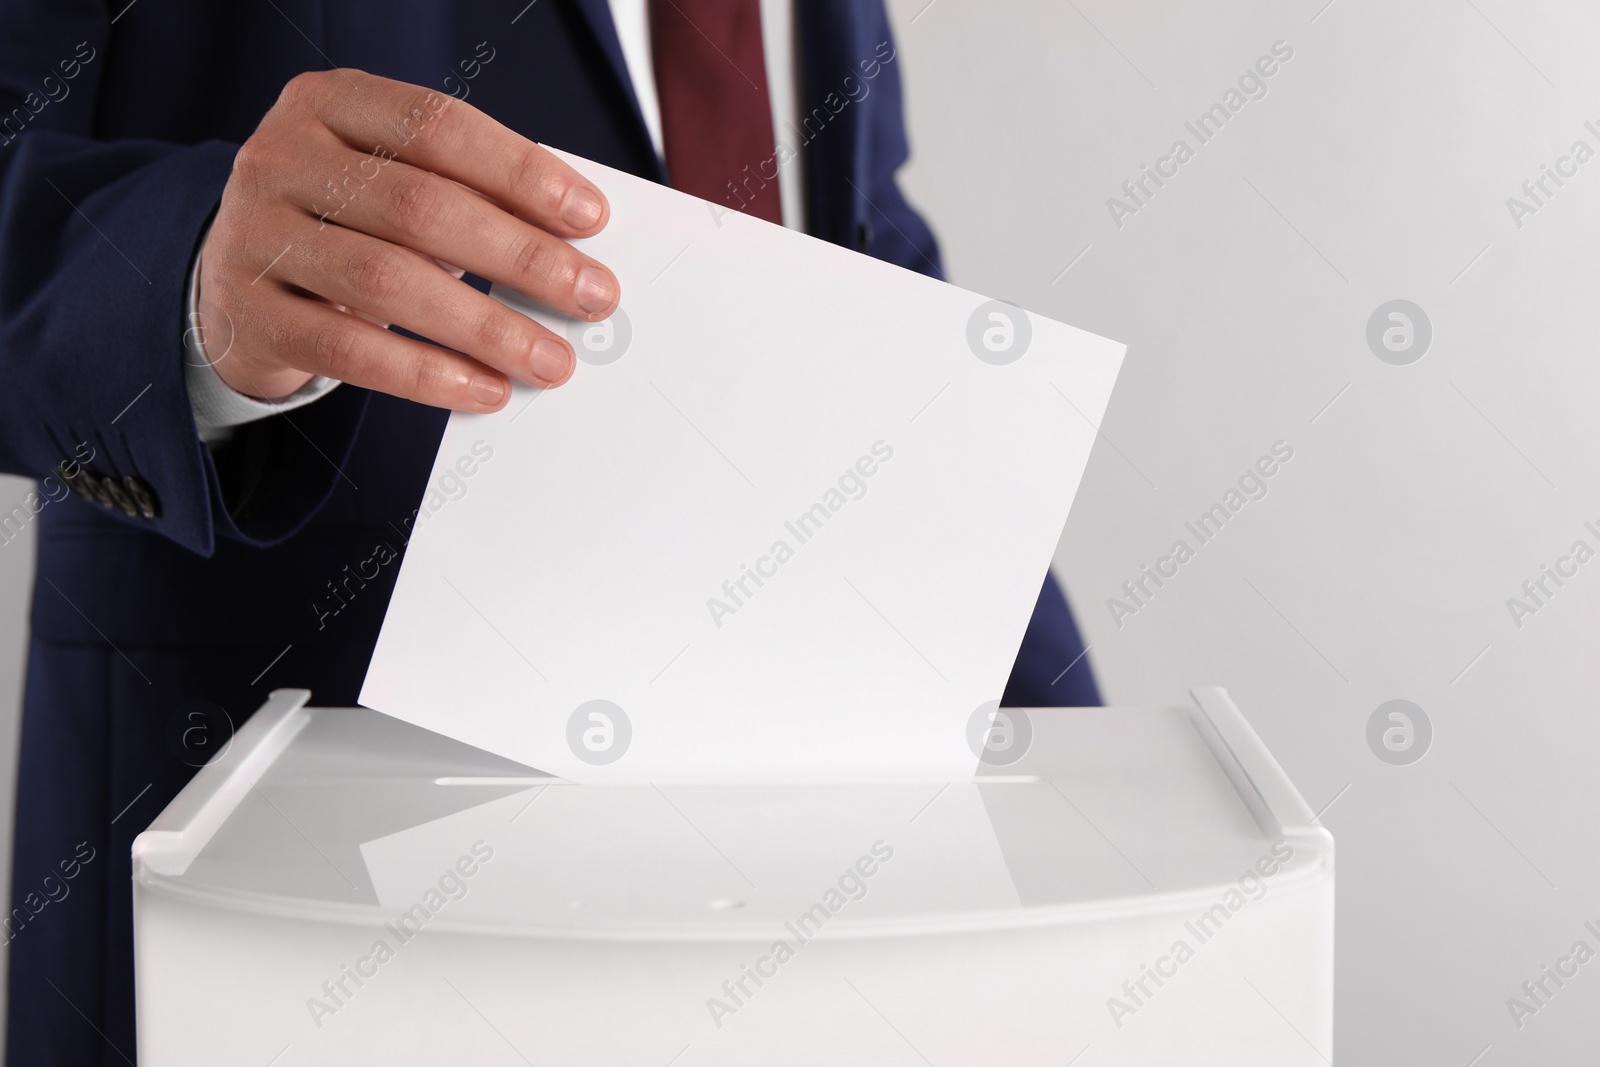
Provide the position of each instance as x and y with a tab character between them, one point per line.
863	235
87	485
97	486
119	497
144	498
77	480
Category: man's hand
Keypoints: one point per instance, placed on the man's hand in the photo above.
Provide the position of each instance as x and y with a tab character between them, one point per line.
345	210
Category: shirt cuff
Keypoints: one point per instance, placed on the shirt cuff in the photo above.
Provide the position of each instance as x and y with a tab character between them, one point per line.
217	406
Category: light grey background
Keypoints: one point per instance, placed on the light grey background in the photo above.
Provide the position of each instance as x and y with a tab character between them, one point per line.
1379	564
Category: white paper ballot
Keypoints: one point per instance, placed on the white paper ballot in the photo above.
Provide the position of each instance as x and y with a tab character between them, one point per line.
786	522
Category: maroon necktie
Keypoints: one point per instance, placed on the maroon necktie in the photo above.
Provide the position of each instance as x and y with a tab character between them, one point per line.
716	121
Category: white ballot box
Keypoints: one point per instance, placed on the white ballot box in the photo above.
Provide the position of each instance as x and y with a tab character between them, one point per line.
1116	886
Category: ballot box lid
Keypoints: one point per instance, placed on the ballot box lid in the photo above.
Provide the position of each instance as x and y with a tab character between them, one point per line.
346	815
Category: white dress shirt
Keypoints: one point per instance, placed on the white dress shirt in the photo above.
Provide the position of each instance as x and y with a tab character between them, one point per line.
218	408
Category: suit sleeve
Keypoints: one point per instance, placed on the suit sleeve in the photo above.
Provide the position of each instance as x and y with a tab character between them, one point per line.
892	229
96	239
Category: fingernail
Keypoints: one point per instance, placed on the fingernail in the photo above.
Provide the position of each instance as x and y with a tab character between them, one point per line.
595	290
550	360
487	389
581	208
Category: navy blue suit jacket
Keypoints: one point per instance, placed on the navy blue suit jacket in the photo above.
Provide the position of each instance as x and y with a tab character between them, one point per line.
153	631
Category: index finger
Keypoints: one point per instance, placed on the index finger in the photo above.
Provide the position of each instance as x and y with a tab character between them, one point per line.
450	137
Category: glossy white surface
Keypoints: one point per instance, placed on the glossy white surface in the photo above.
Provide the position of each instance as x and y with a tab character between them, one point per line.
597	924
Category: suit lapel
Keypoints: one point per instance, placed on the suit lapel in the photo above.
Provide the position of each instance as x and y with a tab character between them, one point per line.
597	14
828	34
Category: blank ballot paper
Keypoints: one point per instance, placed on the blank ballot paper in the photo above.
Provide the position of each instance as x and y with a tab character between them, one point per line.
787	521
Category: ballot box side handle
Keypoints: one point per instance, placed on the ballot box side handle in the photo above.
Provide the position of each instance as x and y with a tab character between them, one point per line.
1274	802
185	826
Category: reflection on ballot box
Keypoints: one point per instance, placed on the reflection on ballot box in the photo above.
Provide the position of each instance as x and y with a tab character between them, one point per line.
1132	885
